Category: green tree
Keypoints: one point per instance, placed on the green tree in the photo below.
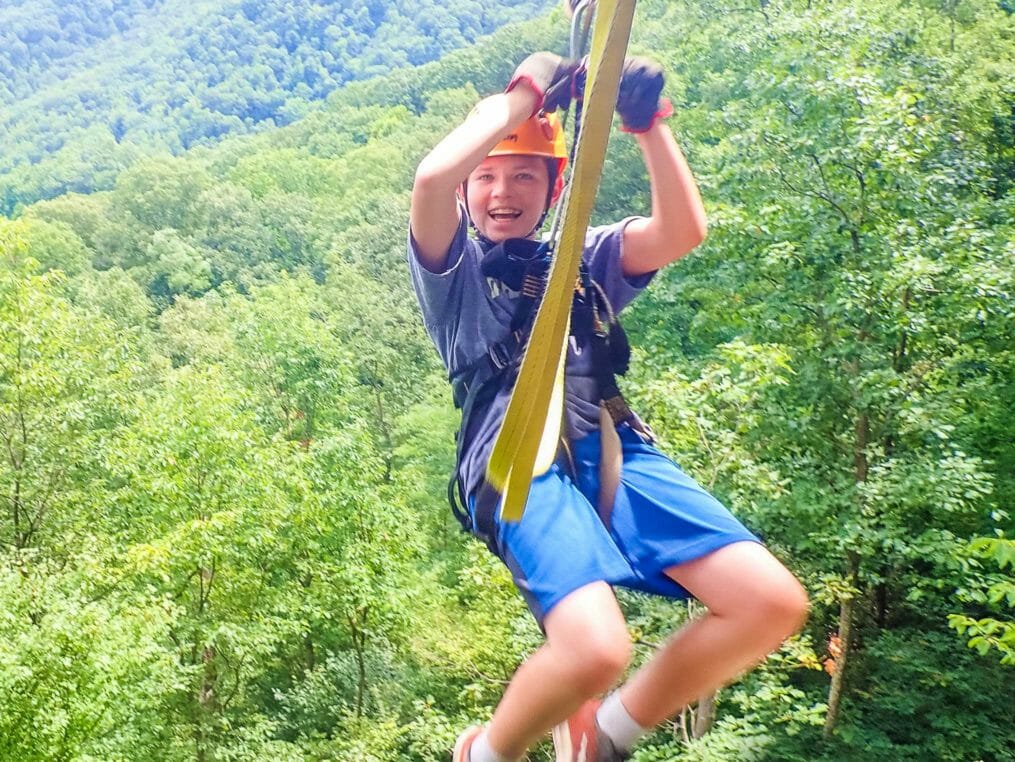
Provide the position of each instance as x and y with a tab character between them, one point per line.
995	594
66	377
204	504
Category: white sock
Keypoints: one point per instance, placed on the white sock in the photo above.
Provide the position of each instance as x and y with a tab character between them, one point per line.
617	724
481	751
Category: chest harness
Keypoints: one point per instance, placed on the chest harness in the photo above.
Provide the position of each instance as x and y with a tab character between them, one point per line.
521	265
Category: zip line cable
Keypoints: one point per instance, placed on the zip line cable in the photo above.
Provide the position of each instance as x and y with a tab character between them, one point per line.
581	24
580	27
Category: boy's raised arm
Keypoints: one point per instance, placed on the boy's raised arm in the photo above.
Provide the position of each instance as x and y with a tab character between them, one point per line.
543	80
677	223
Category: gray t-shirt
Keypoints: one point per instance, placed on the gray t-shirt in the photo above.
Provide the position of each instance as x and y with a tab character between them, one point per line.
465	313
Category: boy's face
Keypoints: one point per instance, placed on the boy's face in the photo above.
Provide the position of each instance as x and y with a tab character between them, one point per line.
507	195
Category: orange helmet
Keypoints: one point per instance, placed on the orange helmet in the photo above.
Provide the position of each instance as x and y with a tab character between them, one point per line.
539	135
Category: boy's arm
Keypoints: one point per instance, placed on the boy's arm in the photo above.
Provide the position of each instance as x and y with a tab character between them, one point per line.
433	213
677	223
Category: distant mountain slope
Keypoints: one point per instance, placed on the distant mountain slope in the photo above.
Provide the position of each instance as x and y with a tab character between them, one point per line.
84	91
41	40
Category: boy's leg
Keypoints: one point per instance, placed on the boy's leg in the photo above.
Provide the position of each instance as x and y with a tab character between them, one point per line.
586	651
754	603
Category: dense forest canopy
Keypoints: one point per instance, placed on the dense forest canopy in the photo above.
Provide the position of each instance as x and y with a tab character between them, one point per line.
225	437
87	88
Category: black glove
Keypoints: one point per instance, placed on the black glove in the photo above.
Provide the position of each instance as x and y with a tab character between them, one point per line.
638	101
550	76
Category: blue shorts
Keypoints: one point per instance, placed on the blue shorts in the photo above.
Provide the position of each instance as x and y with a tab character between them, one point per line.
661	517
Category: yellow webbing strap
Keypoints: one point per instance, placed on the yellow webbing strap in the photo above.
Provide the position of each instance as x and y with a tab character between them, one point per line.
529	420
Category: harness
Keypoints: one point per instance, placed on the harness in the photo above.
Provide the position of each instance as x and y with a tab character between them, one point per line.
521	265
524	443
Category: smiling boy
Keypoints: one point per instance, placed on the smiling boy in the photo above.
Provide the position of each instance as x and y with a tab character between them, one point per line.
657	530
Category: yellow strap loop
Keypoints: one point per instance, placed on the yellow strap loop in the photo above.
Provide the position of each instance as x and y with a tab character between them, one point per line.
529	420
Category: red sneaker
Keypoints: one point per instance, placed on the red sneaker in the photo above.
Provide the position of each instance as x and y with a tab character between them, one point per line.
578	738
464	743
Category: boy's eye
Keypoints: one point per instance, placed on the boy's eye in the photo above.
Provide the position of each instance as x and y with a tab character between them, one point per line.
486	177
525	176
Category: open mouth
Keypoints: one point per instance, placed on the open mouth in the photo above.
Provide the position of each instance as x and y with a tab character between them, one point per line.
504	215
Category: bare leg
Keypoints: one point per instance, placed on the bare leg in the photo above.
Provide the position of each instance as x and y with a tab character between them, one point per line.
754	603
587	650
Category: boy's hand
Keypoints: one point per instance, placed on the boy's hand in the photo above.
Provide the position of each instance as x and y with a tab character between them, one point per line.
638	102
549	76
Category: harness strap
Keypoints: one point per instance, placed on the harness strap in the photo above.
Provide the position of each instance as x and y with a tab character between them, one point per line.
611	463
470	387
470	393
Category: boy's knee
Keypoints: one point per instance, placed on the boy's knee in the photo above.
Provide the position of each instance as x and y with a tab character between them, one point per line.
600	661
785	606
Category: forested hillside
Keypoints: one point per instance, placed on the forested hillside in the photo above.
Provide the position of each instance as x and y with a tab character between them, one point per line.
225	437
87	88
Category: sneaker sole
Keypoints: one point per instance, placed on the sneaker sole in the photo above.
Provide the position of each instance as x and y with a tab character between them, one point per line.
566	752
561	742
464	740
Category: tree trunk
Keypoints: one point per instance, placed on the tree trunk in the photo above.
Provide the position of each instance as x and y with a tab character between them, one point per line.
207	695
309	652
385	430
846	602
860	441
881	601
705	717
209	679
16	504
861	438
359	641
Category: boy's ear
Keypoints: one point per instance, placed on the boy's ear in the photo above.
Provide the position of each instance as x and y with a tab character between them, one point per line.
461	193
558	186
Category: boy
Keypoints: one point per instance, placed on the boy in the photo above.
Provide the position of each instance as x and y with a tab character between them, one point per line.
660	532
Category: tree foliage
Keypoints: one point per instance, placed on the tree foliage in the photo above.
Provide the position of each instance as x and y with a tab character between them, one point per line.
225	439
87	89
